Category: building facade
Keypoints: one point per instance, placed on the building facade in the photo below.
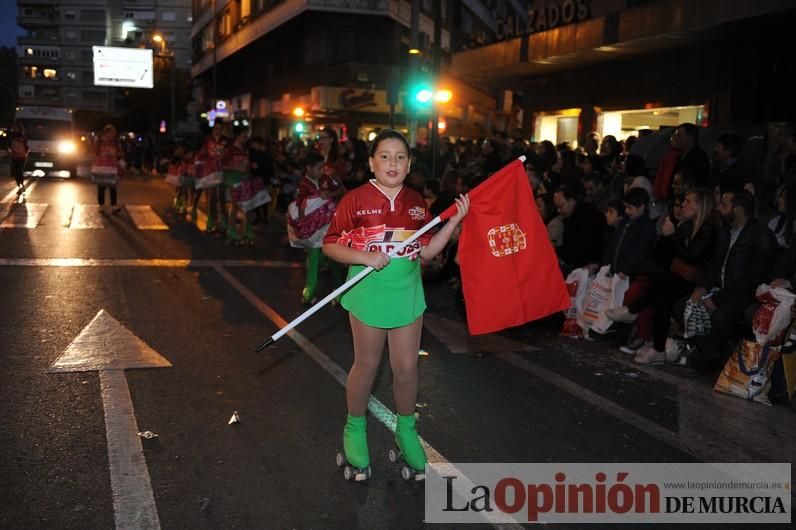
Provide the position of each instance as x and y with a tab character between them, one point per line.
55	55
344	63
569	67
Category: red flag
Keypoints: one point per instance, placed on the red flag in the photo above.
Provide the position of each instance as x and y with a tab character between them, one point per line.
510	272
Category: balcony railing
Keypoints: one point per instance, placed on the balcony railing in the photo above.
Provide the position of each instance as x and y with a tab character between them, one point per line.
32	21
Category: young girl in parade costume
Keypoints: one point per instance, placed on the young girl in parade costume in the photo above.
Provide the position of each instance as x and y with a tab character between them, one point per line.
214	150
108	155
237	168
389	303
314	185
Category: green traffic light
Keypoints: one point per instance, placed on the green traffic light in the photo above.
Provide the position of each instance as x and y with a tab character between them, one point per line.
424	95
299	127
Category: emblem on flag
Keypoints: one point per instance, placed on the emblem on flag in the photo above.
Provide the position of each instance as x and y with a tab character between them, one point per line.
506	240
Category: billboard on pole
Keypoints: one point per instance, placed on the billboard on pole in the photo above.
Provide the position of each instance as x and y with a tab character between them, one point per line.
128	67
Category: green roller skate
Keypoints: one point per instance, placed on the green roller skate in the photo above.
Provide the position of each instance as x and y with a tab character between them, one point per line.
410	451
249	236
355	459
233	238
212	223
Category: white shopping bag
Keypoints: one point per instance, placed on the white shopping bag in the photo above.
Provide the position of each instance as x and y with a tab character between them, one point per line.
607	291
773	316
578	282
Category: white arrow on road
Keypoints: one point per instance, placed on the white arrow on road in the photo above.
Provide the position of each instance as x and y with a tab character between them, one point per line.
109	348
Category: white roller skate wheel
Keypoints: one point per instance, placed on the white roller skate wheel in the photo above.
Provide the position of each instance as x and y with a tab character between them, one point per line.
392	454
340	460
348	473
406	473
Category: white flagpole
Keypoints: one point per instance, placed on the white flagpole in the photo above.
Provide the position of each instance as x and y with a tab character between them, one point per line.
347	285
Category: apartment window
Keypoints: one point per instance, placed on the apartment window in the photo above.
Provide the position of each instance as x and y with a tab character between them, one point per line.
87	56
70	14
93	35
88	77
71	55
26	91
71	76
73	94
245	8
225	24
31	72
168	16
207	38
50	73
71	34
94	96
92	14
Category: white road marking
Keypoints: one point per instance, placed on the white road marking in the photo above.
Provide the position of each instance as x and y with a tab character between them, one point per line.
376	407
106	346
24	215
145	217
86	216
132	262
12	195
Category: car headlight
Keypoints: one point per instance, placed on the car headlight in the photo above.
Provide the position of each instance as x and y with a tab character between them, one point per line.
67	147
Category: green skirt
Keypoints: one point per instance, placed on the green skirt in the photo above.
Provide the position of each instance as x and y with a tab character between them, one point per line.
233	178
389	298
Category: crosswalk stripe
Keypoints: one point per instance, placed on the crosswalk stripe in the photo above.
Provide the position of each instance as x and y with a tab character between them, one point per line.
145	217
25	215
86	216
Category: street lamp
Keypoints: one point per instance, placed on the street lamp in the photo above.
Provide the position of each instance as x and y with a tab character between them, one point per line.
164	54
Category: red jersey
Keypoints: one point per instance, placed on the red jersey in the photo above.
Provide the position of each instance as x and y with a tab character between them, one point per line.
366	219
309	189
215	148
236	159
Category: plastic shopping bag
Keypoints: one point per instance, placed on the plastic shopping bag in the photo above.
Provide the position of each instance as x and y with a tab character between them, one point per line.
773	316
747	373
606	291
577	283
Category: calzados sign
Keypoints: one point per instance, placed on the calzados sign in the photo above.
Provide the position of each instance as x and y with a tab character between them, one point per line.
547	17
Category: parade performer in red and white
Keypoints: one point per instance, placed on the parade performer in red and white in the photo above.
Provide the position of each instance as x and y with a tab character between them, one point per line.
388	304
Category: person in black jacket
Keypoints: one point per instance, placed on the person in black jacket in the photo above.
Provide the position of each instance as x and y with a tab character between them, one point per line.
727	171
685	139
685	253
744	254
583	231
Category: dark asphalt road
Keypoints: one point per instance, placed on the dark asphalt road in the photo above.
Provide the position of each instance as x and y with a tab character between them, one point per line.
525	396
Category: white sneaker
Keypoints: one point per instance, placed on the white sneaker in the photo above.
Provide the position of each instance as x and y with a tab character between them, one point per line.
621	314
649	355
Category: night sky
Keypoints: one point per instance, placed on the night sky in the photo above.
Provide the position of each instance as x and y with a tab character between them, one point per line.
9	31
